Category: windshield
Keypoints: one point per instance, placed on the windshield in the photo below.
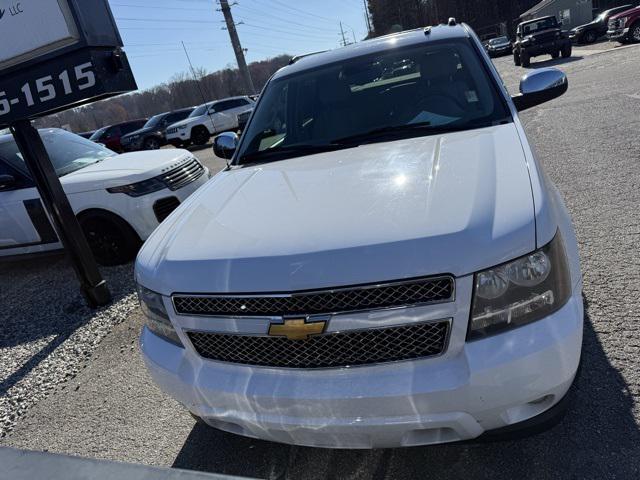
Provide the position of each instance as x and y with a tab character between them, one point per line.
98	133
199	111
68	152
438	87
155	120
539	25
498	40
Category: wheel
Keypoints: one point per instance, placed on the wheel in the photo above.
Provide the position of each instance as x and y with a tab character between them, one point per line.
555	54
634	32
566	51
151	143
525	59
200	136
111	239
589	37
516	59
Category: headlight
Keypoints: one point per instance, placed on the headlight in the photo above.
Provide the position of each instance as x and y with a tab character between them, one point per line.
521	291
182	127
623	21
138	189
157	318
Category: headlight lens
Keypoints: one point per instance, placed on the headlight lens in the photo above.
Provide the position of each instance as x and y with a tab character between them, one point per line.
157	318
138	189
623	21
521	291
182	127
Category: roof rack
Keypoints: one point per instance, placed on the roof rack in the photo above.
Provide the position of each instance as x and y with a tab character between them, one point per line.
451	22
298	57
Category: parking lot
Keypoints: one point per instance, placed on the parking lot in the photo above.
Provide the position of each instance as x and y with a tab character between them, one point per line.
90	394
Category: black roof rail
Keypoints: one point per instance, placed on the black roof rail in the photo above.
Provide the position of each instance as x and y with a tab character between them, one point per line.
298	57
451	22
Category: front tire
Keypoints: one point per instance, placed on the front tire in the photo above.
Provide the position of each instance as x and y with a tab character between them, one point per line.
525	59
566	51
111	239
634	32
555	54
151	143
589	37
516	59
200	136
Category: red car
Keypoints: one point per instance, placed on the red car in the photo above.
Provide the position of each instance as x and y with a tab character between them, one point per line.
110	136
625	27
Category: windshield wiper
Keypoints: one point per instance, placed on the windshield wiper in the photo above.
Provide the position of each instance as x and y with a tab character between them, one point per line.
288	151
409	128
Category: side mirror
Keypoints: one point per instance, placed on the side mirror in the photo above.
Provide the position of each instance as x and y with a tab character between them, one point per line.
225	144
7	182
540	86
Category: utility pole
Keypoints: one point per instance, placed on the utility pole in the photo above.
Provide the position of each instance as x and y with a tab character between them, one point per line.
366	16
344	40
237	48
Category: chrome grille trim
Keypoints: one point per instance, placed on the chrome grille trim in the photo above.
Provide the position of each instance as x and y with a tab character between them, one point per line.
349	348
182	175
406	293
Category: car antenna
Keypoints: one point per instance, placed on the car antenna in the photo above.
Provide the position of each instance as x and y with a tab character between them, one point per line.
197	80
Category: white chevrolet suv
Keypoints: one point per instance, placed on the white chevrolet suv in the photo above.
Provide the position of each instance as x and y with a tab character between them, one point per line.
119	199
384	263
207	120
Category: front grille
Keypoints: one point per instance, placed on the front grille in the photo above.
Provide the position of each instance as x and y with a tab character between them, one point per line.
183	175
405	293
340	349
545	37
163	207
172	130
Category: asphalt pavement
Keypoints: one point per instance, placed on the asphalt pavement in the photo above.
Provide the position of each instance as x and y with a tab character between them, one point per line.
589	143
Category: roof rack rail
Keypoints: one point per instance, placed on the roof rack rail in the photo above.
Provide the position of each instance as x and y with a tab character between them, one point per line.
427	30
298	57
451	22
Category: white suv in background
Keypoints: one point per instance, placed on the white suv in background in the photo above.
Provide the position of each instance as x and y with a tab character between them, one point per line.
207	120
119	199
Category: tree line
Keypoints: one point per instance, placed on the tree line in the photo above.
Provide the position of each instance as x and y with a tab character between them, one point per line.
181	91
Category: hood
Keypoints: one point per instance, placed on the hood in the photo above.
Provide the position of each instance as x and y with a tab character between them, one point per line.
142	131
453	203
500	44
123	169
626	13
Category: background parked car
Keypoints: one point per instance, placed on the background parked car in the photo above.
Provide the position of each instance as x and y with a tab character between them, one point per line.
86	135
153	134
625	26
499	46
540	36
207	120
119	199
110	136
592	31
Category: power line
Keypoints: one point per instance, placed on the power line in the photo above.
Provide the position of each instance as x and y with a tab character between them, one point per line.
261	13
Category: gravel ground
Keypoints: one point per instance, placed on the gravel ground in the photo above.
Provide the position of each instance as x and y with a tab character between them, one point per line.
588	142
48	334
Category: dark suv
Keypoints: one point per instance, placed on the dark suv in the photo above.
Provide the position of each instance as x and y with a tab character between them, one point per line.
592	31
153	134
541	36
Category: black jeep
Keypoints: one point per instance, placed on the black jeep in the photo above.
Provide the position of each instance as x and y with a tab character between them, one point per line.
539	37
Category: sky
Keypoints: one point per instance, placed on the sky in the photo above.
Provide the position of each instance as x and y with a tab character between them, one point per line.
152	32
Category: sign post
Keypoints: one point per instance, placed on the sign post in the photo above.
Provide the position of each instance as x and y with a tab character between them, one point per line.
54	55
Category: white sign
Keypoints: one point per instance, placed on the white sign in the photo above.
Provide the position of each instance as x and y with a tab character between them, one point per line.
31	28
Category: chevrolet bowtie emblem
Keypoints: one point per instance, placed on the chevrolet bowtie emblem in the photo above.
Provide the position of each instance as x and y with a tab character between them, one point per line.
296	329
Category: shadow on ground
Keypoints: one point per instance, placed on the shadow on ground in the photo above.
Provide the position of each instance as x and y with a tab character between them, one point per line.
598	438
42	307
553	62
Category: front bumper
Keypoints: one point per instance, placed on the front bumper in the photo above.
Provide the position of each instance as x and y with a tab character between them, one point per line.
544	48
616	34
500	51
475	387
181	135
